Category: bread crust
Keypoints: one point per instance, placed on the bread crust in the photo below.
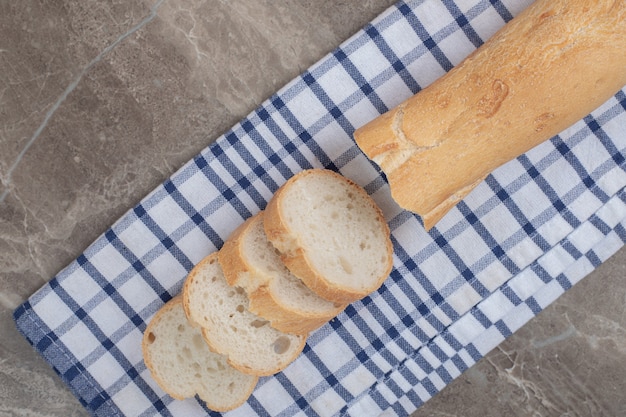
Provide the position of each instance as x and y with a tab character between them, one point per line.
294	255
263	302
301	339
209	259
546	69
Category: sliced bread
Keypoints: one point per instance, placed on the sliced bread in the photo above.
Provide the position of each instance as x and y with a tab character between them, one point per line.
183	365
229	328
331	235
250	261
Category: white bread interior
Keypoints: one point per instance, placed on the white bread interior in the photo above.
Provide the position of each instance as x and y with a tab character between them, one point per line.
250	261
330	234
183	365
249	342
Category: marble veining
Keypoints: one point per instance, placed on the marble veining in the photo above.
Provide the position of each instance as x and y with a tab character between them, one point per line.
6	179
101	101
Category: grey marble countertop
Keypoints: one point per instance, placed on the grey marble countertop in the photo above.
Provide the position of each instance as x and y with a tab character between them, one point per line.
101	100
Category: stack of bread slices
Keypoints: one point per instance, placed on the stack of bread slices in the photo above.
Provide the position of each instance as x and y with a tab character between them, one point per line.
246	310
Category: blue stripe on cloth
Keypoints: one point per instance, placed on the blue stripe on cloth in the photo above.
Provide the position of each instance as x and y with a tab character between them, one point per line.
502	10
333	110
425	37
110	291
473	352
621	232
599	224
458	262
274	157
364	86
502	327
361	355
459	363
106	343
229	192
133	261
166	241
271	154
464	24
444	375
496	248
620	96
430	387
534	306
541	272
593	258
424	307
525	223
72	371
396	63
302	134
616	154
511	295
256	405
380	400
329	381
589	182
299	401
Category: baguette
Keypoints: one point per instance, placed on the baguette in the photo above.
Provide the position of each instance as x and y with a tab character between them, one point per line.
183	365
330	234
547	68
249	260
250	344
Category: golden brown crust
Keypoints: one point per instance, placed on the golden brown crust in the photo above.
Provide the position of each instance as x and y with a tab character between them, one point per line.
294	256
231	256
263	301
211	258
550	66
264	304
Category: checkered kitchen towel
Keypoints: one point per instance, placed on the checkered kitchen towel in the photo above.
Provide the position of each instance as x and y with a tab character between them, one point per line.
528	233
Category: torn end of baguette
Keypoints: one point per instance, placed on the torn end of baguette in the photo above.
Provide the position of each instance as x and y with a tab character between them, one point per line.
418	198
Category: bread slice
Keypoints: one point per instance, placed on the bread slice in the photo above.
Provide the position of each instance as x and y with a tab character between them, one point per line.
229	328
183	365
547	68
330	234
250	261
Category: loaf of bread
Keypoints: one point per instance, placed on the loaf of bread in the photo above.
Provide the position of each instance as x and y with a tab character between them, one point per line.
330	234
229	328
547	68
250	261
183	365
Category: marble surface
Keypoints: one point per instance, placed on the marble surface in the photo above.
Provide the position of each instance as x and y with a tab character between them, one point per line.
101	100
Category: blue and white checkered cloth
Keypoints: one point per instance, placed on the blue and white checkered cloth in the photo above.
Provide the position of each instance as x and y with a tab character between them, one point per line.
530	231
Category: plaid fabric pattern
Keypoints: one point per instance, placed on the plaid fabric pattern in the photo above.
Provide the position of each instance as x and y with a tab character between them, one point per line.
528	233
